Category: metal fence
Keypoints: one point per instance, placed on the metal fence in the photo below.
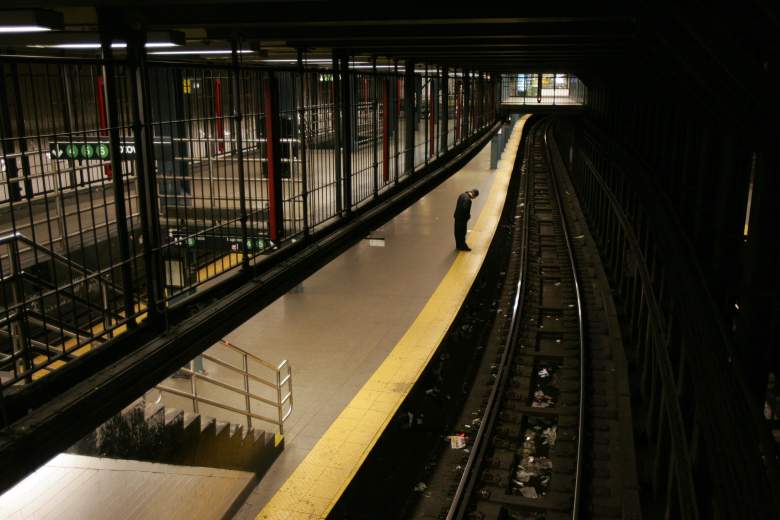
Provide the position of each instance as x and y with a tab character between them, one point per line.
128	185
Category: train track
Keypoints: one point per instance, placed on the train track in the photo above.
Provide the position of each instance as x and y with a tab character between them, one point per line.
528	455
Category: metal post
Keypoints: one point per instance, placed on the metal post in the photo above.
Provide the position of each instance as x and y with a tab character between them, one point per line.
466	127
481	99
445	104
279	400
346	128
18	336
146	178
396	118
337	130
432	102
246	388
289	384
69	122
21	131
375	127
539	88
457	115
302	144
386	131
194	386
6	143
427	116
112	121
237	117
106	312
409	116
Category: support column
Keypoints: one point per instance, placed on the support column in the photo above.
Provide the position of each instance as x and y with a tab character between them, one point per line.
386	130
302	144
445	95
6	143
346	129
409	116
458	110
271	111
146	179
337	132
432	95
466	103
117	177
237	132
375	127
396	118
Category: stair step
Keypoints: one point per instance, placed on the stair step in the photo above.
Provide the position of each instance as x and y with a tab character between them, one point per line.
155	412
207	423
173	415
191	420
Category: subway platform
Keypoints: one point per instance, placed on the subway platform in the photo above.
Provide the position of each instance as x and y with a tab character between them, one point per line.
360	332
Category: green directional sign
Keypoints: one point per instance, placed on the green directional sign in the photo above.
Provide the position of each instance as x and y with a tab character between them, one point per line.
87	151
102	151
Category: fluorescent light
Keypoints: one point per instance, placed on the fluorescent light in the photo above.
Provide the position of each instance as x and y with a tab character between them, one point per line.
295	60
29	20
93	45
23	28
378	66
206	51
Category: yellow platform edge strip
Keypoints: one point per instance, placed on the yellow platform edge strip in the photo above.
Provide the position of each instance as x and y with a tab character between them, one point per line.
320	479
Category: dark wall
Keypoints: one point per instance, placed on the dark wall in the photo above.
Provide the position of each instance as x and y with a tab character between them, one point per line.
681	141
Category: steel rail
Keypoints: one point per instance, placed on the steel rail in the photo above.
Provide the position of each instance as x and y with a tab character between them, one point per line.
573	264
460	500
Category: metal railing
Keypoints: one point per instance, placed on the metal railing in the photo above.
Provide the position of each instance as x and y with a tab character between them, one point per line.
20	314
280	384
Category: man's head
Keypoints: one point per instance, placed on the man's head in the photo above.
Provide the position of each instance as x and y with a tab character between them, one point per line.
473	193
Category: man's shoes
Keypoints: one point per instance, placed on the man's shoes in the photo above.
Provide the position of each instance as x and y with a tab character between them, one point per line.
464	248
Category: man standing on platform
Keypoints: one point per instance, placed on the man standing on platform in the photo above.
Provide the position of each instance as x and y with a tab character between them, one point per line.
462	215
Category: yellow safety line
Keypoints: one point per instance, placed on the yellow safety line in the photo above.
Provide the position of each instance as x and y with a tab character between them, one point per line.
320	479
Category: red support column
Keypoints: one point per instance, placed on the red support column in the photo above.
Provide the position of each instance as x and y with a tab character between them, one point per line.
275	216
218	114
386	131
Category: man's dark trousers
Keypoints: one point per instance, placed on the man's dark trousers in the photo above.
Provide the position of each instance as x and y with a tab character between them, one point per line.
460	233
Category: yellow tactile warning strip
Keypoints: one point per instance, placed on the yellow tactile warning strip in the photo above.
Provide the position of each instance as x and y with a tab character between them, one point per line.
320	479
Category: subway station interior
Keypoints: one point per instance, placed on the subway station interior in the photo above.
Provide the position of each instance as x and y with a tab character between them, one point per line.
306	260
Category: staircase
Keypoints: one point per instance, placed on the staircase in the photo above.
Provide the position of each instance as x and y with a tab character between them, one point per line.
54	309
173	429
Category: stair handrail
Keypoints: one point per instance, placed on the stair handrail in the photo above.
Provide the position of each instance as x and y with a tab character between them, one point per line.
281	383
17	236
22	313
